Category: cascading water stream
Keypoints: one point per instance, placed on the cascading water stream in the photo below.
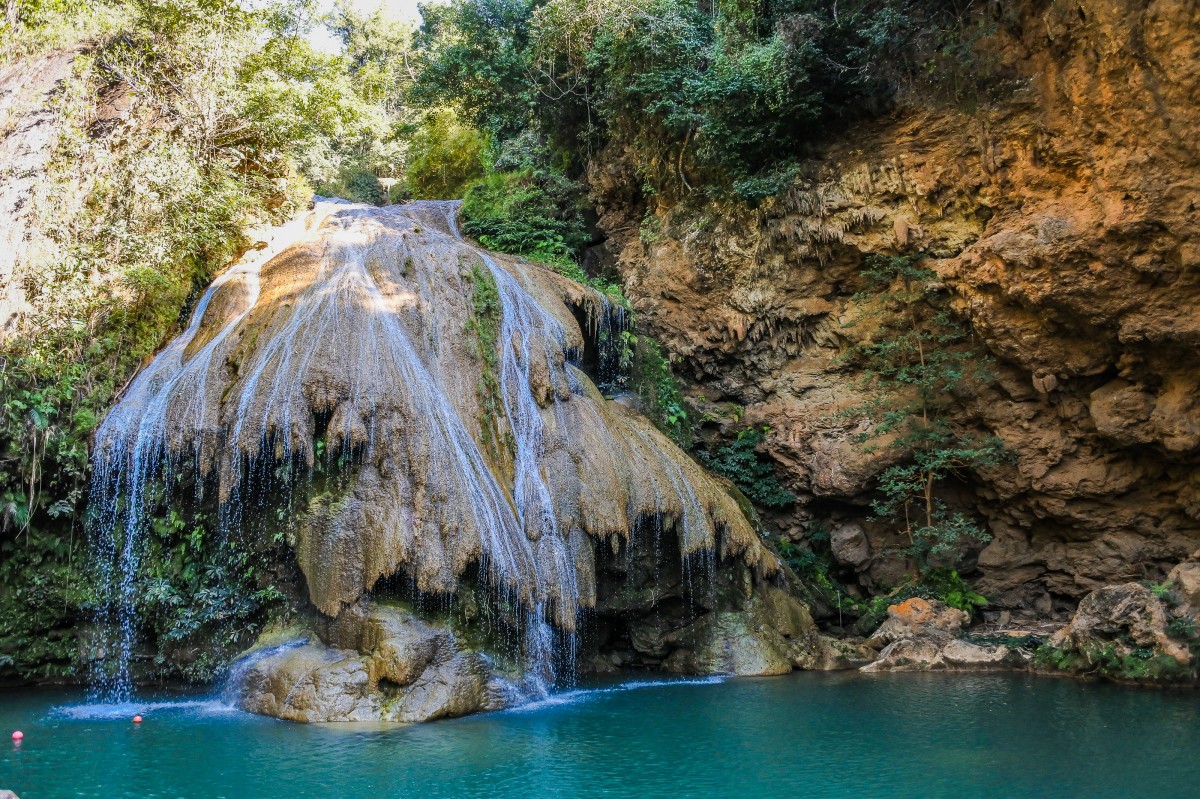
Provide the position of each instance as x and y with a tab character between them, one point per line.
130	451
357	315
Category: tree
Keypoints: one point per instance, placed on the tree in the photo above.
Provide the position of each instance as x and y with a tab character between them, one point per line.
917	360
444	157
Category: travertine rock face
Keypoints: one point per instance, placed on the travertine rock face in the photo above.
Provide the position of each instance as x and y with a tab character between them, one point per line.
421	405
402	670
443	378
1064	223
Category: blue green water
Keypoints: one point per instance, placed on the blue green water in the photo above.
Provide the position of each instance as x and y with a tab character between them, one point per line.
806	735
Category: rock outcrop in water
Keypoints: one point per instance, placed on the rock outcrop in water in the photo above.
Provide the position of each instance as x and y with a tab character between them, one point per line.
926	635
443	383
390	666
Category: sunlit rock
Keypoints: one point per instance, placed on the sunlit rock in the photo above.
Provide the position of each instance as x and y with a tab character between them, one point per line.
443	389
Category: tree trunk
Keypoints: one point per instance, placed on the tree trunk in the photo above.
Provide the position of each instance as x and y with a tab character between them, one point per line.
11	15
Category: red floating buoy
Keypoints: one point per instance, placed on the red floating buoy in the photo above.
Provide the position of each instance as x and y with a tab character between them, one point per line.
18	735
137	719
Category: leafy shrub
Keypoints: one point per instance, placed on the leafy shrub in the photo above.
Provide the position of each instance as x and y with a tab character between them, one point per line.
445	157
660	391
533	214
750	470
914	357
1103	660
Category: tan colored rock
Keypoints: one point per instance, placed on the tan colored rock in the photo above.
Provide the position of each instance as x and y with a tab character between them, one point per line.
1121	617
401	646
919	617
959	654
850	546
311	684
453	687
837	654
925	653
407	671
923	635
1186	577
1122	412
907	654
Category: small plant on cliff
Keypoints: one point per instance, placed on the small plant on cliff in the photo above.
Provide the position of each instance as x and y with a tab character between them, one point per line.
661	392
916	358
750	470
484	327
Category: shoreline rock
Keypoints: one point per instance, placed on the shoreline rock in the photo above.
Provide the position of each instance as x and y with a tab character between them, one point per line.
402	669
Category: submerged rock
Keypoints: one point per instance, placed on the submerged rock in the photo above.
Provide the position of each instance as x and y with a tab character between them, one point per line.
404	670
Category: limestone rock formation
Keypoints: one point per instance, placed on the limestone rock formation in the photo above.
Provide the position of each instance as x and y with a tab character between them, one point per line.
1063	221
403	669
1186	580
772	634
1117	622
919	617
422	405
446	372
923	635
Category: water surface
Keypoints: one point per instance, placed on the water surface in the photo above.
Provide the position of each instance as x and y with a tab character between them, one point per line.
806	735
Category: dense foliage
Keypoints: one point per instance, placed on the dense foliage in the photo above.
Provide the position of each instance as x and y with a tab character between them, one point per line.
232	118
724	94
751	471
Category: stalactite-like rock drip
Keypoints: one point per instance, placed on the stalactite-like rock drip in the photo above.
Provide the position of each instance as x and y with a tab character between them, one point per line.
448	372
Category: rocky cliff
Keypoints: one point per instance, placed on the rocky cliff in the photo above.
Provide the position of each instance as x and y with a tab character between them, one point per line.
1062	221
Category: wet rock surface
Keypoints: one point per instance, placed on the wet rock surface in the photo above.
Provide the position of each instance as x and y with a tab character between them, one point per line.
403	670
772	634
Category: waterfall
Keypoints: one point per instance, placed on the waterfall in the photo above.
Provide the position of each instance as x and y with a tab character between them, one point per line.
362	319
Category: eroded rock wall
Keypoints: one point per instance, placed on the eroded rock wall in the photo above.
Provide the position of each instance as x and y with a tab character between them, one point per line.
1064	220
